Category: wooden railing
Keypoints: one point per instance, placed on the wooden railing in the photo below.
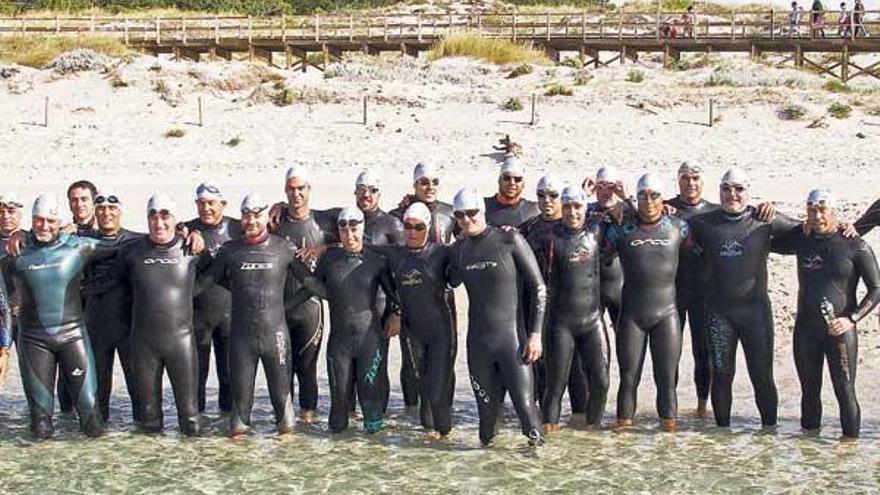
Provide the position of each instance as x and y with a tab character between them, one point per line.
754	25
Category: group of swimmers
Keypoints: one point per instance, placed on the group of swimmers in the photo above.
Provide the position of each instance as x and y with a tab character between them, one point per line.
540	277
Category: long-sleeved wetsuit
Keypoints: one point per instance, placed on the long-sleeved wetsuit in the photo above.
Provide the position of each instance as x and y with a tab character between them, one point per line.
498	214
611	278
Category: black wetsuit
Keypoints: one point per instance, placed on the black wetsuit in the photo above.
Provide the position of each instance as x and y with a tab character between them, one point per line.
491	265
256	274
5	316
829	269
305	321
734	250
690	299
869	219
498	214
420	278
6	263
51	329
108	318
162	279
649	255
211	315
357	346
572	259
537	232
611	278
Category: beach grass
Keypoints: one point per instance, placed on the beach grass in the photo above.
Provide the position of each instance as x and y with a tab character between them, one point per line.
34	51
496	51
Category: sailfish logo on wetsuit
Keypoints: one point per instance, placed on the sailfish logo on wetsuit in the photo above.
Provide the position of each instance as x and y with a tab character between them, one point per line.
412	277
481	265
813	262
580	255
731	249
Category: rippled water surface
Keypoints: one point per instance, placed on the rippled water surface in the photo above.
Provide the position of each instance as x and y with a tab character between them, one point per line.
698	459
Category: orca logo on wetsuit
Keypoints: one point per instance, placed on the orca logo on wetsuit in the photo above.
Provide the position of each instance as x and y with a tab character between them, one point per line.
813	262
44	266
481	392
161	261
649	242
245	265
481	265
731	249
412	277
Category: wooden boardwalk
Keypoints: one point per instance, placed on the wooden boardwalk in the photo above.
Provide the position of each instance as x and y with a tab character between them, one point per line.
598	39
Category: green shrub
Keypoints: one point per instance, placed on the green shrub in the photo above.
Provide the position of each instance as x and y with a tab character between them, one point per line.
557	89
836	86
513	105
175	132
839	110
792	111
635	76
520	70
495	50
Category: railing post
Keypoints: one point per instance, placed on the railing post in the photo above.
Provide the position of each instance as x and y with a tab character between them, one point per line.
733	25
350	27
584	25
126	31
216	30
852	25
772	27
548	25
449	29
514	26
158	31
317	27
57	24
183	30
385	28
658	25
92	24
479	24
250	30
420	27
620	26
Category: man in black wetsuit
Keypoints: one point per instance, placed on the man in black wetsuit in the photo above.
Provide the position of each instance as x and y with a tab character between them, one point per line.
869	219
420	272
81	200
489	262
211	308
608	187
5	332
537	231
349	278
108	304
426	189
51	335
572	259
161	273
304	228
829	269
649	246
689	285
507	206
10	223
255	268
734	246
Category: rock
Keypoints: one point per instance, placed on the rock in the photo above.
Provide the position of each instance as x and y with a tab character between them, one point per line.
8	72
82	59
861	135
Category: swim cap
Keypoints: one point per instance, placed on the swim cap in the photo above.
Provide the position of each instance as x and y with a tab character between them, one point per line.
418	211
424	170
160	202
367	177
649	181
512	166
46	206
573	194
209	191
108	198
548	182
298	171
9	198
688	169
468	199
820	196
735	177
253	203
607	174
350	213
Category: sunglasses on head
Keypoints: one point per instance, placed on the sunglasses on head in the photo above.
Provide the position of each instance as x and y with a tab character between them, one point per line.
12	204
418	227
548	194
512	178
369	189
425	182
209	189
348	223
732	188
654	196
112	199
461	214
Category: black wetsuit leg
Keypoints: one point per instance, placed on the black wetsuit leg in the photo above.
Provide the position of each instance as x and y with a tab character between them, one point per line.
433	360
558	356
585	346
578	385
632	343
38	361
110	336
216	334
272	349
306	324
180	358
695	313
812	345
367	367
753	325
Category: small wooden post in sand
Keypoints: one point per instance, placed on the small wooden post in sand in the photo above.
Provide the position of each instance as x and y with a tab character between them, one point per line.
711	112
534	99
365	110
46	112
200	111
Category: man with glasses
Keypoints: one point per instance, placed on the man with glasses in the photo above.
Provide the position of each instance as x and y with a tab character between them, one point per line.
575	336
734	246
357	349
426	189
649	247
211	308
256	268
507	206
829	269
108	304
306	229
490	262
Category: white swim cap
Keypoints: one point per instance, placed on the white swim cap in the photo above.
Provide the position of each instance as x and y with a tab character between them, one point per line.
607	174
300	172
689	169
46	206
512	166
209	191
418	211
468	199
350	213
253	203
160	202
649	181
367	177
573	194
548	182
10	199
424	170
821	196
735	177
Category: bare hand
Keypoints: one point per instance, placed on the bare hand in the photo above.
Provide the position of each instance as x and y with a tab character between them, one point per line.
275	216
669	210
847	230
392	326
4	364
620	190
840	326
15	243
69	228
765	212
310	255
615	213
195	242
589	186
533	349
